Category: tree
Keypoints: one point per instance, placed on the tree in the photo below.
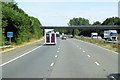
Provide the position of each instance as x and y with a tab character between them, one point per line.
77	32
75	22
21	24
97	23
112	21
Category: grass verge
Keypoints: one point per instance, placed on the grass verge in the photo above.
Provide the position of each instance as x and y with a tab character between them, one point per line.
110	46
21	45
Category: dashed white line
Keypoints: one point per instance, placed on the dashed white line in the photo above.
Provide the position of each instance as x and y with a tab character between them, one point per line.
58	48
89	56
100	47
83	51
52	64
80	48
56	56
19	56
57	51
97	63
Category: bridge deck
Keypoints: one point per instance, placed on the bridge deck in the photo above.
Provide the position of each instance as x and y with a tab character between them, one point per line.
83	27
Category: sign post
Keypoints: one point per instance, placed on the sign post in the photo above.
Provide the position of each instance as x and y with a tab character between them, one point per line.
10	35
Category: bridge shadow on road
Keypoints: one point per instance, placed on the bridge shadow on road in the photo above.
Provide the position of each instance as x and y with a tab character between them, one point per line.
49	44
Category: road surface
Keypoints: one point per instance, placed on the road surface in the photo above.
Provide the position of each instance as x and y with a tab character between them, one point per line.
70	58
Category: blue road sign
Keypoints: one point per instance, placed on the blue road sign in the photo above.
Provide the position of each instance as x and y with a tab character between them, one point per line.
9	34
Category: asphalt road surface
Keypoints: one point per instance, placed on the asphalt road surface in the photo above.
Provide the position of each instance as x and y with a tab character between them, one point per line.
69	58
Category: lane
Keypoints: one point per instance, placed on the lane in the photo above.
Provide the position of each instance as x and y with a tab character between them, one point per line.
70	58
6	56
107	59
72	62
34	65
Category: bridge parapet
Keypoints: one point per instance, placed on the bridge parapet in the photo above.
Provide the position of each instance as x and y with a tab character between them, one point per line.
83	27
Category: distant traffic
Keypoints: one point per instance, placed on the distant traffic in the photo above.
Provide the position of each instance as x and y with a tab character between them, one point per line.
109	35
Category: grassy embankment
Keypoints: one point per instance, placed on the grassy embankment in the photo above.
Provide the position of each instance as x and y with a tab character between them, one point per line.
110	46
21	45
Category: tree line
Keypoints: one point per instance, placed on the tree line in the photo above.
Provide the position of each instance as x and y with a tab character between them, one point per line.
85	32
23	26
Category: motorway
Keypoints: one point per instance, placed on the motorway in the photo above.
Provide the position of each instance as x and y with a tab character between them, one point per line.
69	58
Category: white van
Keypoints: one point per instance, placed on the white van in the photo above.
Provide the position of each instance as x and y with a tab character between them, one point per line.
50	38
94	35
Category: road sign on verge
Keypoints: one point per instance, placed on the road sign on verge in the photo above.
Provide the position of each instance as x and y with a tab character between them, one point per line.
9	34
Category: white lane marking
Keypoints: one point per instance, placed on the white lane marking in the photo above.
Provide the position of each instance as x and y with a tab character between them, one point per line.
57	51
58	48
19	56
80	48
83	51
89	56
52	64
56	56
100	47
97	63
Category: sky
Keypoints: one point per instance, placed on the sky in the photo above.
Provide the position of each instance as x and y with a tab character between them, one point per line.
59	12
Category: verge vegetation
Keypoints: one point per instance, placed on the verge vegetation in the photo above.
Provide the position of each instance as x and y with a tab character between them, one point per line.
104	44
24	27
87	32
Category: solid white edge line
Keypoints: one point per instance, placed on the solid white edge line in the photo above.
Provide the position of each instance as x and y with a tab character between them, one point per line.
19	56
52	64
99	47
97	63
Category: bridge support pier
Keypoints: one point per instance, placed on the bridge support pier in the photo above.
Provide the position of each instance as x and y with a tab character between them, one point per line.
73	33
43	32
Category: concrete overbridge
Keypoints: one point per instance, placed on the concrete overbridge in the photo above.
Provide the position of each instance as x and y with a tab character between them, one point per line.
105	27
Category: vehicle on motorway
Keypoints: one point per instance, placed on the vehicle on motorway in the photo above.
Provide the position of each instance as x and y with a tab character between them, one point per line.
110	35
114	76
50	38
64	37
71	37
99	37
94	35
81	36
62	34
57	34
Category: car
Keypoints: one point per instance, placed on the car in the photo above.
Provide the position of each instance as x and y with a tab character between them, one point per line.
64	37
114	76
81	36
99	37
94	37
71	36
